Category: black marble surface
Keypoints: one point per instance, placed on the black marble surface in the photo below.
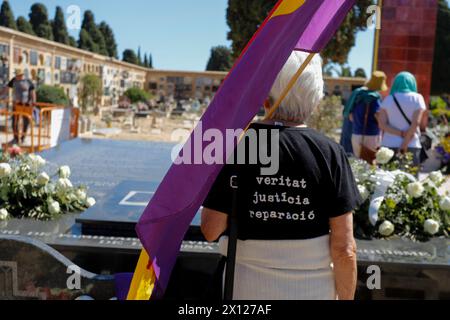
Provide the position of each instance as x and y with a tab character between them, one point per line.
121	175
118	214
103	164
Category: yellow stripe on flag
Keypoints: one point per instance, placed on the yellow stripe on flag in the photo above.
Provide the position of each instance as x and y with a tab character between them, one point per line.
144	279
288	7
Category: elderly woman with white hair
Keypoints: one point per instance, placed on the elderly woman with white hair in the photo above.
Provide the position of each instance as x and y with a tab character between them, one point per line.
295	228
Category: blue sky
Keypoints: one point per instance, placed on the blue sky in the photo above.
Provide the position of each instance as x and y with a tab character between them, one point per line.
178	33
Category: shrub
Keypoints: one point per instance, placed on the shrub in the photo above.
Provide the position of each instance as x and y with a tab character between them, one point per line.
91	91
327	118
52	94
136	94
439	108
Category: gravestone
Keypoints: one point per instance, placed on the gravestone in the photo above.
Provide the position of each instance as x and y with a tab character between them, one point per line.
118	214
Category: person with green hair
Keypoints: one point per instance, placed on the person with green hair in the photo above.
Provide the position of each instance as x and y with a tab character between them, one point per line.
400	116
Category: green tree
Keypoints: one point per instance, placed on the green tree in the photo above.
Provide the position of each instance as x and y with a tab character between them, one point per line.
220	59
7	16
91	91
85	42
361	73
39	21
60	33
145	63
150	61
139	57
72	42
110	40
244	18
136	94
130	56
23	25
95	34
441	64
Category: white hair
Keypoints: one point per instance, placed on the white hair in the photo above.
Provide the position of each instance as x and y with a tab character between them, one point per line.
306	93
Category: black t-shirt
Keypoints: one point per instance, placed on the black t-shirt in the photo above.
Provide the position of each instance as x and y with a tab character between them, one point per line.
314	183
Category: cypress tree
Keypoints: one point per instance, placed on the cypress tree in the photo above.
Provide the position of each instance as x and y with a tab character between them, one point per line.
39	21
23	25
60	33
7	16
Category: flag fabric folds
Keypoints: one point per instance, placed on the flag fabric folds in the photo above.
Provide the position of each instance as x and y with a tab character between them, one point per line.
305	25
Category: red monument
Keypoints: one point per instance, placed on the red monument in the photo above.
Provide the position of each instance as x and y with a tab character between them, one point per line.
407	39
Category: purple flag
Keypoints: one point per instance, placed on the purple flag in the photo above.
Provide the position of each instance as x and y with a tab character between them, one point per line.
167	218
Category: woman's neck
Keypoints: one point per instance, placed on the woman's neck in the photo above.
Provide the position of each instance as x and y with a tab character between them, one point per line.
284	123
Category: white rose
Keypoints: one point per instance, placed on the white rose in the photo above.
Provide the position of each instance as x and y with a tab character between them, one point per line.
363	192
431	226
81	195
64	184
415	189
384	155
43	179
37	161
445	204
436	177
90	202
386	229
5	170
3	214
53	207
64	172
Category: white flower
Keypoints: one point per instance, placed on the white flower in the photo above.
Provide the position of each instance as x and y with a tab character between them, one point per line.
37	161
90	202
53	207
5	170
386	229
43	179
436	177
384	155
64	172
415	189
445	204
3	214
431	226
363	192
81	195
63	184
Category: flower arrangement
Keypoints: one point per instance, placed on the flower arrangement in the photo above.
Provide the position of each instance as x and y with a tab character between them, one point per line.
443	151
26	191
396	203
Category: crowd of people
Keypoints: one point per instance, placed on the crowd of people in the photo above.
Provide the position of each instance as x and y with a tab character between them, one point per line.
371	122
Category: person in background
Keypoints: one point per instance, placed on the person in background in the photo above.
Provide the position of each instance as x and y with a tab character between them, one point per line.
23	93
372	85
366	104
400	116
290	249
